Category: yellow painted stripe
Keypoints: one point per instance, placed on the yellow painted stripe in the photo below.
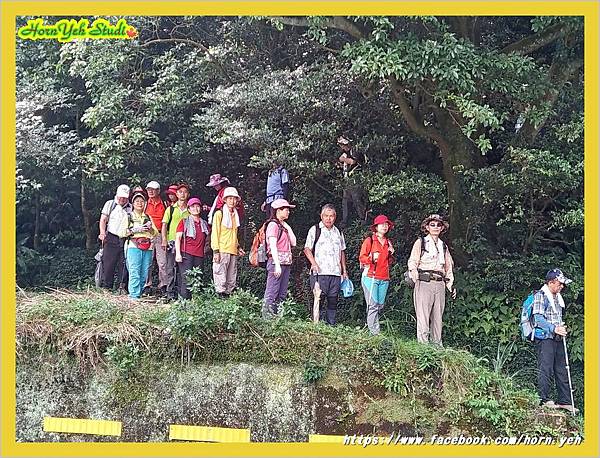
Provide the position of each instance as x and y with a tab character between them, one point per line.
208	434
82	426
325	439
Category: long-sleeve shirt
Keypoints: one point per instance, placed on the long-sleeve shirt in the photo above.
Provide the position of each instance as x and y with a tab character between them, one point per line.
379	270
546	315
430	260
222	238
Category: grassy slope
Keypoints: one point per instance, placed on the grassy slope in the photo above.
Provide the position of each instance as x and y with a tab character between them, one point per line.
447	389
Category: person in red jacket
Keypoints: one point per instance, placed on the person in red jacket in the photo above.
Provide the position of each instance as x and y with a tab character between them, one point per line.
375	258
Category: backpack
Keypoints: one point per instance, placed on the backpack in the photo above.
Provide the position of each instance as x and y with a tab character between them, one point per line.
169	209
258	251
527	325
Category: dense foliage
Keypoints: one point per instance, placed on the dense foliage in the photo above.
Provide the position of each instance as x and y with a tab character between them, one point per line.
475	117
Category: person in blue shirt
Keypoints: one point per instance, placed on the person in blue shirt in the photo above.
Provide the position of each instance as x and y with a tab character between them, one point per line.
278	186
550	330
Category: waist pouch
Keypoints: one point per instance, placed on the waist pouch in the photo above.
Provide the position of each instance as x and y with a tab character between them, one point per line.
285	258
142	243
430	276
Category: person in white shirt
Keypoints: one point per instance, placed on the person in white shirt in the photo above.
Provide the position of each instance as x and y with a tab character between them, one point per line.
113	212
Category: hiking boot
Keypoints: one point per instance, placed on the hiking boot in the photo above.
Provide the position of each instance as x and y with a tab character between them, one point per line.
549	405
568	407
147	291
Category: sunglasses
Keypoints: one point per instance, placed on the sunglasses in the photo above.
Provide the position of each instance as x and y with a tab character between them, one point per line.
436	225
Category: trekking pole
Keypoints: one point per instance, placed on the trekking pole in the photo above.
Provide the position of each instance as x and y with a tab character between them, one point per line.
564	339
317	300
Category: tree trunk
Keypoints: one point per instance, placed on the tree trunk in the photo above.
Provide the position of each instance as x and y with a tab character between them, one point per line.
88	220
457	152
36	229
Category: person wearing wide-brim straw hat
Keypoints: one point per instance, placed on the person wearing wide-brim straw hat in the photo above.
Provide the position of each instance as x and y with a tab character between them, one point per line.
430	267
224	243
375	258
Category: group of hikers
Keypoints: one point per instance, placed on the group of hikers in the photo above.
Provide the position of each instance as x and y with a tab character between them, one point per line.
138	227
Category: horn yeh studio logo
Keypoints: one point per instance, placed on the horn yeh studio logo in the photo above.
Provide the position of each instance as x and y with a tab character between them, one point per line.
67	30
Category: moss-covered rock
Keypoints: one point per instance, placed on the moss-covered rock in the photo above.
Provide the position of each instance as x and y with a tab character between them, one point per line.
216	363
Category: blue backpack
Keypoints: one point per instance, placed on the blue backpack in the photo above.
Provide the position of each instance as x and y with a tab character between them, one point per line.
527	325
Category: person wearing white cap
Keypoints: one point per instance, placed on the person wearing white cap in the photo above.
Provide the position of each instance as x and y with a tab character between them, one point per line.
549	332
280	240
224	243
219	184
155	209
113	212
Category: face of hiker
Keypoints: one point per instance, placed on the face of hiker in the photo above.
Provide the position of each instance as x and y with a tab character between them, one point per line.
138	204
183	194
383	228
172	197
328	218
194	209
231	201
283	213
435	227
122	201
152	193
555	286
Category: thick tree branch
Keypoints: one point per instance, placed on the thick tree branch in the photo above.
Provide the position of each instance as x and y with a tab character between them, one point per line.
196	44
560	72
534	42
414	121
335	22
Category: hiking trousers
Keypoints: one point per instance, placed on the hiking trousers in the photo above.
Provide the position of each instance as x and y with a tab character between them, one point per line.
113	260
137	264
170	273
276	288
330	288
375	292
552	364
188	262
160	254
225	273
429	299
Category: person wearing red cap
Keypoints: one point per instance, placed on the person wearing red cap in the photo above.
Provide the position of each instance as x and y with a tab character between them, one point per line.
375	257
172	194
430	267
191	243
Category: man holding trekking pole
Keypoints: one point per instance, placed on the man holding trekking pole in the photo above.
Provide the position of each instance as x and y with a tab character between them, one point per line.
550	334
